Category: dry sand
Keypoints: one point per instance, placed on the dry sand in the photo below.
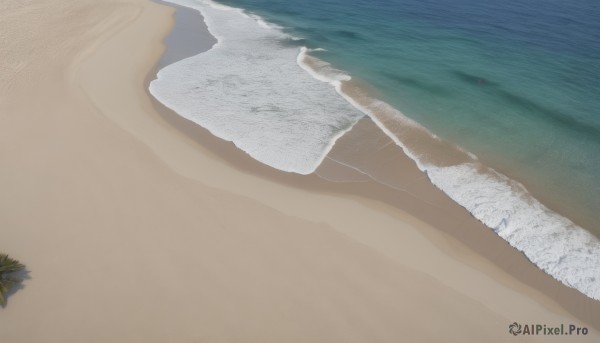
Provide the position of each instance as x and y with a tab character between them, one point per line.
134	232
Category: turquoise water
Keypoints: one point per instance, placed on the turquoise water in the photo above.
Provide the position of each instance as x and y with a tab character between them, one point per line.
517	83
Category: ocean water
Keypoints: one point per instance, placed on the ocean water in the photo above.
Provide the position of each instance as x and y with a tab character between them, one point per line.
515	82
497	102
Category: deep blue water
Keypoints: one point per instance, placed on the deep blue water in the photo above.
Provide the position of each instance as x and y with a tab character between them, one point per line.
515	82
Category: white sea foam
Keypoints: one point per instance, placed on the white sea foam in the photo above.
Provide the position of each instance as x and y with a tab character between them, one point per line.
248	89
555	244
321	70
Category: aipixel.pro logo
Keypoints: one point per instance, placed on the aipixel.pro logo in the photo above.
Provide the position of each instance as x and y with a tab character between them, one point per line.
545	330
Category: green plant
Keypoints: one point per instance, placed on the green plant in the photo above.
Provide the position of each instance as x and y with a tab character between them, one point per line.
8	275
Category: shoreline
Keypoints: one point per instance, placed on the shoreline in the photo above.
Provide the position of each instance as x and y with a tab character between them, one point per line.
501	203
133	231
456	221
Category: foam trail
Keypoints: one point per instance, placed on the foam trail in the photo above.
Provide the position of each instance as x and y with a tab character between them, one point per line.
555	244
248	89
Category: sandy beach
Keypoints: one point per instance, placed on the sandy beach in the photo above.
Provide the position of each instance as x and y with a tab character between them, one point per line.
139	226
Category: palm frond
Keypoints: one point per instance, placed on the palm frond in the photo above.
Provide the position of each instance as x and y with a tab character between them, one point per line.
8	280
9	265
